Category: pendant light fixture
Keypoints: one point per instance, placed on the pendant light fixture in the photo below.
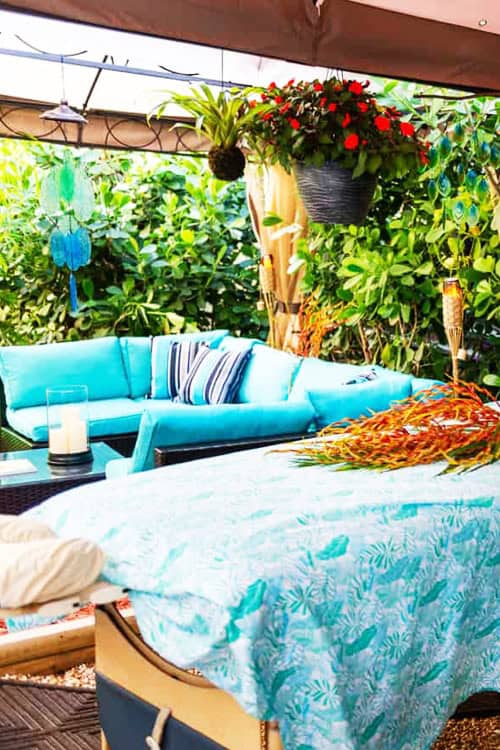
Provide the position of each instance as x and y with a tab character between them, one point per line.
63	112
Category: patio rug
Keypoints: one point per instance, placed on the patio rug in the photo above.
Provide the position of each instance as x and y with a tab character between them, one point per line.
47	718
55	718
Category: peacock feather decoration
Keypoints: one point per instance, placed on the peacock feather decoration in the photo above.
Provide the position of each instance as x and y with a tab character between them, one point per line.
67	198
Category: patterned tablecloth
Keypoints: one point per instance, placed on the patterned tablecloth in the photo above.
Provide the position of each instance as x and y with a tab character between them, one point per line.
357	608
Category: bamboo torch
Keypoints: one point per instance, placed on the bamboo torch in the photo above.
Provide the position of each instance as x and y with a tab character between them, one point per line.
453	311
266	278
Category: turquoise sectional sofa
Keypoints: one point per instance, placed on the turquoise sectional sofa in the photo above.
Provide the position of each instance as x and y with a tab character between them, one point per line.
279	393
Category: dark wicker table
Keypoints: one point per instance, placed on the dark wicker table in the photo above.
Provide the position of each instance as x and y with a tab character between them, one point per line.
22	491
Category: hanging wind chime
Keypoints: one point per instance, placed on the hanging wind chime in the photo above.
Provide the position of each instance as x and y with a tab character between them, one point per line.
67	197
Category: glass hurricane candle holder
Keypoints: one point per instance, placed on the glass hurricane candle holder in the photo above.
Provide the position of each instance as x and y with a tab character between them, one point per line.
67	421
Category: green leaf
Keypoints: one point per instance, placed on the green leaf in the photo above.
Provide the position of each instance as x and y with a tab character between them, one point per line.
270	220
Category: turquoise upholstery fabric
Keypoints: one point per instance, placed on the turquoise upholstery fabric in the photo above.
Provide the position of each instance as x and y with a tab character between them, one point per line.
106	417
358	399
118	467
268	376
317	374
27	371
183	424
159	355
136	353
237	343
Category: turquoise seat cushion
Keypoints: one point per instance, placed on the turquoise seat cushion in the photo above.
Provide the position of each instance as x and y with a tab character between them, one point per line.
136	353
106	417
169	424
268	376
27	371
318	374
160	355
213	377
341	402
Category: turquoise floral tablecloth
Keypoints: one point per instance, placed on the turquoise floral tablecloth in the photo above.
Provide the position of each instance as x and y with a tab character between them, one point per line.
357	608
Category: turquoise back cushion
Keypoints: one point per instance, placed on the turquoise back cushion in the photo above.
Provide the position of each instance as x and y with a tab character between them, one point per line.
136	353
159	357
268	376
319	374
27	371
341	402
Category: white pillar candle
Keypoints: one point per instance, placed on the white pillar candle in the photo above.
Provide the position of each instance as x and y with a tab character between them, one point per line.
58	440
77	437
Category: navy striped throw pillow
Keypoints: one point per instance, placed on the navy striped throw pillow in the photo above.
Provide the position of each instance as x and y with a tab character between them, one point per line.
180	359
214	377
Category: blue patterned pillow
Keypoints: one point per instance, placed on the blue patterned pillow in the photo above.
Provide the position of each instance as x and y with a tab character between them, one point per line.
214	377
180	359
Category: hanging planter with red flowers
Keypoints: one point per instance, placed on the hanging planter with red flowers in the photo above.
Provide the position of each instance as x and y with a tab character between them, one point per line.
336	139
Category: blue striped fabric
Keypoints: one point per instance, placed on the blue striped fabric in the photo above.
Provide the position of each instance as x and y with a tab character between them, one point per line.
180	359
214	377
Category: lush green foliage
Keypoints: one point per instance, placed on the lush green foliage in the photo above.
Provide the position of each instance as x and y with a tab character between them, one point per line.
316	122
172	249
384	278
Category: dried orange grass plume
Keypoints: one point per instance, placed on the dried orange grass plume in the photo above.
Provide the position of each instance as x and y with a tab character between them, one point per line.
315	321
448	422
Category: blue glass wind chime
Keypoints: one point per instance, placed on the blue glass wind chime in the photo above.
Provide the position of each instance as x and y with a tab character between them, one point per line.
67	197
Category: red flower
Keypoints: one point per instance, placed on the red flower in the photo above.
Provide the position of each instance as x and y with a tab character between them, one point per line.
263	97
272	86
406	128
266	116
285	108
252	103
364	142
363	106
382	123
332	107
278	99
351	142
355	88
318	87
291	82
346	121
424	159
322	101
295	124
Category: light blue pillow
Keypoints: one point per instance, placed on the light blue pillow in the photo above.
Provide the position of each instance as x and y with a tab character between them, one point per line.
27	371
268	376
359	399
214	377
159	357
136	353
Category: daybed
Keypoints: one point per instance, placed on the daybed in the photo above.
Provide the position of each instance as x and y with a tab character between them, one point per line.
357	609
279	393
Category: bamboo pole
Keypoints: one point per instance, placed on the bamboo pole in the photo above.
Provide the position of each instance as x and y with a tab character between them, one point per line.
453	310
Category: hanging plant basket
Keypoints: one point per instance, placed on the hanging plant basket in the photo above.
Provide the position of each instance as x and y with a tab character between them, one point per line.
332	196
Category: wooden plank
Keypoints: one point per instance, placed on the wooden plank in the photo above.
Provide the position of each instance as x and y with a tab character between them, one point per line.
51	648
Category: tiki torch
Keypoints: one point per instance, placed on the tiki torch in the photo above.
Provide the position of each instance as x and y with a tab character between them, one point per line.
267	287
453	311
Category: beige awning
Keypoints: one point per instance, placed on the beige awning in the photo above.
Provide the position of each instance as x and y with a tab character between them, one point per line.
444	42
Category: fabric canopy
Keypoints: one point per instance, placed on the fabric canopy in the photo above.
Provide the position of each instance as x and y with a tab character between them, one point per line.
453	42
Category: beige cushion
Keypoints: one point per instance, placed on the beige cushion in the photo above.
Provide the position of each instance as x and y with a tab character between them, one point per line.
46	569
21	529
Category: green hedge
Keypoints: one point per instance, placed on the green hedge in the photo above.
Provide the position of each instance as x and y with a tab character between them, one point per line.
172	249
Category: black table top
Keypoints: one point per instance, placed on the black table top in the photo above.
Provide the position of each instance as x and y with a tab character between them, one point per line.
101	452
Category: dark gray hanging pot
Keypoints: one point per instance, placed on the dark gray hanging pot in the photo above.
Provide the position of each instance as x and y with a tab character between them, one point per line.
331	195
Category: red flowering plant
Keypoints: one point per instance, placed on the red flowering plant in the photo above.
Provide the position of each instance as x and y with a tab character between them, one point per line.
340	121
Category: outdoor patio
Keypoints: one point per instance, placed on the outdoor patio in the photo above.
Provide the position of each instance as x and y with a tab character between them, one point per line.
249	375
